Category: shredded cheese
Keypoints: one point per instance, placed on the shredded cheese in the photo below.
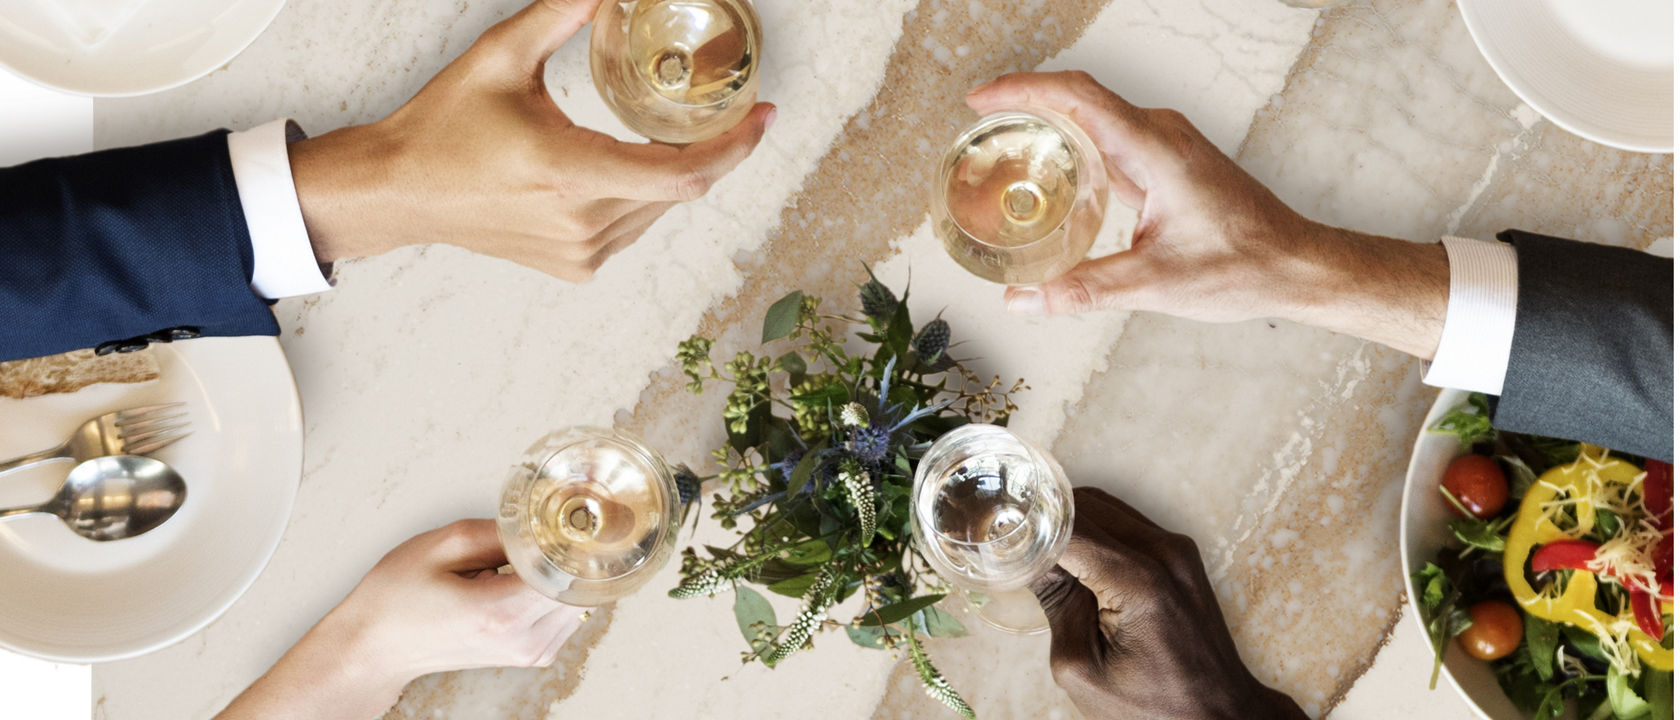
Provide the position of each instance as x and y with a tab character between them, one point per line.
1613	640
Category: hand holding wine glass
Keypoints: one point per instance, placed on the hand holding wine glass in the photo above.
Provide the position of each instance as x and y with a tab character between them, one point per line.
1212	243
1135	628
991	513
434	603
482	158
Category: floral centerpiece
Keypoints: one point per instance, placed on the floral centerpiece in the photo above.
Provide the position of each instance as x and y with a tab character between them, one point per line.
815	478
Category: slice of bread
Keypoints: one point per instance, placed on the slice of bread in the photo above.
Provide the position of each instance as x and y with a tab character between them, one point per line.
73	371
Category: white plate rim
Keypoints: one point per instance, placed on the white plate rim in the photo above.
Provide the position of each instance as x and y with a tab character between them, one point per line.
294	457
1513	80
268	16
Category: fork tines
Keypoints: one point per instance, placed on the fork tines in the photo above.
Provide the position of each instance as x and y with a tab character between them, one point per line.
152	427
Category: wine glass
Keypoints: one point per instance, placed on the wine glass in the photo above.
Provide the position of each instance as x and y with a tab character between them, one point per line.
677	71
588	515
1020	196
991	513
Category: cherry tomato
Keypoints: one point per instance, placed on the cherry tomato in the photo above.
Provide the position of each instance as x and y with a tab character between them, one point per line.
1479	485
1495	629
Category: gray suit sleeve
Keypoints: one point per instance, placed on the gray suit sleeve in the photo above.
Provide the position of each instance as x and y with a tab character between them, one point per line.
1592	358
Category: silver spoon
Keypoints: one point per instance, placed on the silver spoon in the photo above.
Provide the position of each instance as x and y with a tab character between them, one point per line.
113	497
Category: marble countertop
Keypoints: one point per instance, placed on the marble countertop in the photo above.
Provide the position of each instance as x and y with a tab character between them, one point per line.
1281	449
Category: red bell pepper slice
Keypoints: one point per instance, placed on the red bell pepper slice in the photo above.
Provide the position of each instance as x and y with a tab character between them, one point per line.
1575	554
1659	492
1564	555
1646	613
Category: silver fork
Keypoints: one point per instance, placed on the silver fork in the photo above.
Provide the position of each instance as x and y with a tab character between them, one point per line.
135	431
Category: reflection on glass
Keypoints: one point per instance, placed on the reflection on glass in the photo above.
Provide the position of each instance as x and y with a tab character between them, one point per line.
677	71
992	513
588	515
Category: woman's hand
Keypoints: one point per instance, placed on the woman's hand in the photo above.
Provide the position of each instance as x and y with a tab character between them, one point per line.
482	158
435	603
1135	629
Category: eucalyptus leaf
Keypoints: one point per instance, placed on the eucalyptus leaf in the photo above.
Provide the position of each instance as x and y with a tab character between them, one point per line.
793	587
793	363
870	637
898	611
783	316
941	624
809	552
802	474
752	609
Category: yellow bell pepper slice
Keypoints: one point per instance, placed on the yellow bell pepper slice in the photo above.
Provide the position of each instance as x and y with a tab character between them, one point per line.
1532	528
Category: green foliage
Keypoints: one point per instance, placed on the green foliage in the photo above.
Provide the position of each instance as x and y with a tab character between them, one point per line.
1541	640
815	479
1472	423
1438	597
756	619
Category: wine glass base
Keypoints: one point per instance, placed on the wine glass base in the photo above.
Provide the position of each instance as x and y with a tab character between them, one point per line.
1015	612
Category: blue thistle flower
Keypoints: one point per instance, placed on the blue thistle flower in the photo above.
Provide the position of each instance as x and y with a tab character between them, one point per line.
871	445
786	465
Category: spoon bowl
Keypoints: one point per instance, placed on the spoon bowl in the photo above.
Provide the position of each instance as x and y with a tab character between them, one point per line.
114	497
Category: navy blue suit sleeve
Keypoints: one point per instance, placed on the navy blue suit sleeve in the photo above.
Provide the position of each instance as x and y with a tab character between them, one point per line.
123	243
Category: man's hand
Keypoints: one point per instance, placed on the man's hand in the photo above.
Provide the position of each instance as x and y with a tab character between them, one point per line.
1135	629
1212	243
435	603
482	158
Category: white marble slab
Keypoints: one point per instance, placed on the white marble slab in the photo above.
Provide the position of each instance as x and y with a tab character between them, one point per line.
427	371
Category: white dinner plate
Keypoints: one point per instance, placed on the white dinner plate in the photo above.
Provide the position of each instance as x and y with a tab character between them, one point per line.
115	48
1602	69
67	599
1423	532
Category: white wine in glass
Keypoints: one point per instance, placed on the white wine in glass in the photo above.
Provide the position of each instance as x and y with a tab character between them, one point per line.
588	515
677	71
992	513
1020	196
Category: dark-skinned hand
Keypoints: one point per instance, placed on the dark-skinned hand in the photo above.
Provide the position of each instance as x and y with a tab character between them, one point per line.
1135	629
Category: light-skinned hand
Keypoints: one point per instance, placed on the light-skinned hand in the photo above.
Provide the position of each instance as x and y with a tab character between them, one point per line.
435	603
1212	243
482	158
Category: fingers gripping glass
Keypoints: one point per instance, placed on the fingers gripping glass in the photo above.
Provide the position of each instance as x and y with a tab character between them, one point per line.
677	71
992	513
588	515
1020	196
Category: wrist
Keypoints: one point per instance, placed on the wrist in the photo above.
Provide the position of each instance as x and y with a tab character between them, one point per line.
344	658
1381	289
344	186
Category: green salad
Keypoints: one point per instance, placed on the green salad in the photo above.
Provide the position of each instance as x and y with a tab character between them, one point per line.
1561	576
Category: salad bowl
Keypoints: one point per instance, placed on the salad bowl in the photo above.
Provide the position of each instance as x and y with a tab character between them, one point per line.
1423	533
1551	557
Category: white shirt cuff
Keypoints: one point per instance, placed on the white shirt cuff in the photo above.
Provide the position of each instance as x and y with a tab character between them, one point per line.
1475	343
283	261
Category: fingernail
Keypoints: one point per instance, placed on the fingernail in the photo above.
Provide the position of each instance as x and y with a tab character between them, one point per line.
1025	301
770	118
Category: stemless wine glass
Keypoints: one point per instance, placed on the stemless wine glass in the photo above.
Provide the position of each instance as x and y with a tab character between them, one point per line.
1020	196
991	513
677	71
588	515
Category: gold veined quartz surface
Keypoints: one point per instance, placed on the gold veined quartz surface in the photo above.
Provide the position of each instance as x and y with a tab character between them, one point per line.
1279	448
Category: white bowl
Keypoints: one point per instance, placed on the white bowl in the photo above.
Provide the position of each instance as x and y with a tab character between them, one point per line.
1602	70
1423	532
118	48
